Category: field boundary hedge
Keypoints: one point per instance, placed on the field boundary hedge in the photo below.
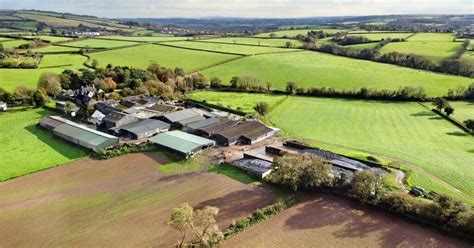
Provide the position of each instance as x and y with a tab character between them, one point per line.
202	50
450	119
215	106
239	44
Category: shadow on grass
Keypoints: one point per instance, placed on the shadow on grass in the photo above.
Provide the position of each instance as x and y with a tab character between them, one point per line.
62	147
457	133
423	113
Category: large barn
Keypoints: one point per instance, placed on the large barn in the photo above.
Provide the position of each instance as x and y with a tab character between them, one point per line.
143	129
183	118
182	143
247	132
78	134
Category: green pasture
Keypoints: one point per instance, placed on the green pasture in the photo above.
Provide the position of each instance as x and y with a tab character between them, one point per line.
384	35
463	110
292	33
3	39
13	43
52	49
405	131
145	38
256	41
364	45
436	50
313	69
26	148
239	101
97	43
73	61
50	38
227	48
142	56
445	37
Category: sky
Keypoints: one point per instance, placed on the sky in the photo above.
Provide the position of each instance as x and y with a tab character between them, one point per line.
243	8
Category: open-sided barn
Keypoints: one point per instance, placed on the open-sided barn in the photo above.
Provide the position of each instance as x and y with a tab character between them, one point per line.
194	127
247	132
210	130
143	129
182	143
78	134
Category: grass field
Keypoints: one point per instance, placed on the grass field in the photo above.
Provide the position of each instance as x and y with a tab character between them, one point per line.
436	50
364	46
463	110
27	148
50	49
96	43
50	38
341	223
445	37
293	33
256	41
145	38
406	131
384	35
228	48
13	43
120	202
311	69
3	39
142	56
238	101
11	78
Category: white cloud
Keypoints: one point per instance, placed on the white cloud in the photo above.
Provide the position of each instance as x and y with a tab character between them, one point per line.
244	8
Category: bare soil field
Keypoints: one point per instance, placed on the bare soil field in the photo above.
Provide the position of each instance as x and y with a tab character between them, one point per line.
121	202
329	221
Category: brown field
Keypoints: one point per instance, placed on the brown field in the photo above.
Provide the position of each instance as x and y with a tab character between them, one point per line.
121	202
329	221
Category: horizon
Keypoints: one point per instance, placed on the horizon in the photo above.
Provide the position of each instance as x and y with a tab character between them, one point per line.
274	9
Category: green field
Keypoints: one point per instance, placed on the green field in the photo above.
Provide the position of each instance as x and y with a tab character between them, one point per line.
256	41
446	37
96	43
3	39
27	148
384	35
52	49
13	43
292	33
50	38
238	101
463	110
171	57
145	38
312	69
11	78
364	46
228	48
436	50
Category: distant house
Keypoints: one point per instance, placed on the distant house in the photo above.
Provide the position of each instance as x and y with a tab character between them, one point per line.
247	132
182	118
3	106
182	143
143	129
116	119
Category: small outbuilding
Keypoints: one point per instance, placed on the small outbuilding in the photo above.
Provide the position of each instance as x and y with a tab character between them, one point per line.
143	129
182	143
116	119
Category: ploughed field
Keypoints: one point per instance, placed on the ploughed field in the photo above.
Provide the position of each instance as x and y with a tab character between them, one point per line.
123	202
329	221
27	148
313	69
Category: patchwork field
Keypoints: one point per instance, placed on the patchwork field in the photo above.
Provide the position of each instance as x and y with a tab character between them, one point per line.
239	101
384	35
121	202
312	69
228	48
364	46
405	131
50	38
341	223
96	43
293	33
171	57
436	50
256	41
53	49
11	78
145	38
463	110
13	43
27	148
432	37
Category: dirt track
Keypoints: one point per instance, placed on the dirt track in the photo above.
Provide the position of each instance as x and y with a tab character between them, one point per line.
329	221
120	202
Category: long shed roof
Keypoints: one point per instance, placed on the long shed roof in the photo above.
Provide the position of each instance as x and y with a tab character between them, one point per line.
148	125
181	115
181	141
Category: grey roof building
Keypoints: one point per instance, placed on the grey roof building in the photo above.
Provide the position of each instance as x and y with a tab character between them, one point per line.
194	127
116	119
182	143
183	118
247	132
143	129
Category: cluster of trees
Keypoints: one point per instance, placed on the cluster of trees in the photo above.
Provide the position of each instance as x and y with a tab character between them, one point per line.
262	108
461	92
306	172
442	104
462	49
33	44
11	59
345	40
312	36
201	223
407	93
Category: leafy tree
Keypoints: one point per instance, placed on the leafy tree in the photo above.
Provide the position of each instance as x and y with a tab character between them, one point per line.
181	219
179	71
272	35
469	124
235	81
269	86
216	82
39	98
50	82
291	88
288	44
449	110
367	184
440	103
261	108
95	63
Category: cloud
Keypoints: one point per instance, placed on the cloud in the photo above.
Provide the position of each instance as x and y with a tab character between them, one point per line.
244	8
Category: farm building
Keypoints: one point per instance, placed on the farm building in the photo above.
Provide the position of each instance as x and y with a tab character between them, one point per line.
78	134
108	106
3	106
194	127
210	130
96	117
183	118
247	132
163	108
143	129
258	167
116	119
139	100
182	143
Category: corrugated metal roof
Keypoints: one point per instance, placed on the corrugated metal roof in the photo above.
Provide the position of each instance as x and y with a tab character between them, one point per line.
205	123
148	125
66	121
181	141
181	115
82	135
249	129
194	119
